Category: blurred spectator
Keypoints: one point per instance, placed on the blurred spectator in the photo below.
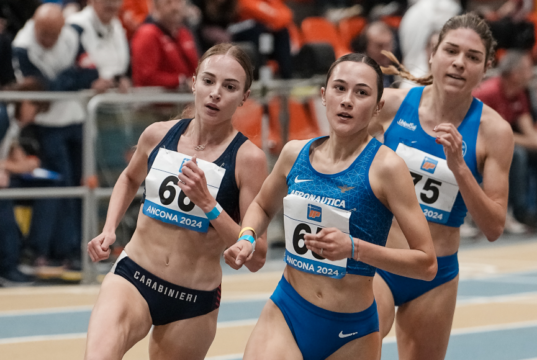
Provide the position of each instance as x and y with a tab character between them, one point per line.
419	22
49	50
163	50
377	36
72	6
15	13
13	161
266	16
104	39
6	68
216	16
508	95
133	13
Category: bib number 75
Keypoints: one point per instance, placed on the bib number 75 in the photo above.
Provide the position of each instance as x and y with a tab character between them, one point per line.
432	186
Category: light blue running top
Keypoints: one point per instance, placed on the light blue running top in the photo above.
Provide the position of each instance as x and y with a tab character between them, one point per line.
406	128
349	190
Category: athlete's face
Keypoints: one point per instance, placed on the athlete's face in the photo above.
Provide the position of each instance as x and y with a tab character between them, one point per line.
458	65
350	97
219	88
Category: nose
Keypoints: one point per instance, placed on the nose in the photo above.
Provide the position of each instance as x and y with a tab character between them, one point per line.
458	62
215	95
346	101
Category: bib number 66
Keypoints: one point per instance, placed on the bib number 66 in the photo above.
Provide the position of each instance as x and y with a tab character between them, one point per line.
167	194
298	235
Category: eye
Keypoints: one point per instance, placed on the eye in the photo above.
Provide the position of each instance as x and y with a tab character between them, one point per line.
339	88
231	87
207	81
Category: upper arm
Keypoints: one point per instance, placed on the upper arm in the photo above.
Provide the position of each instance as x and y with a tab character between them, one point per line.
496	137
393	185
274	188
252	171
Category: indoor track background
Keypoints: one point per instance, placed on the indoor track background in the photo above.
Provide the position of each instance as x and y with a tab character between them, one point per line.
496	316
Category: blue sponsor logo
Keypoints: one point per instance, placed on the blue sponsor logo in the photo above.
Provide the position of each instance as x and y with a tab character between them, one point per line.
184	161
315	213
429	165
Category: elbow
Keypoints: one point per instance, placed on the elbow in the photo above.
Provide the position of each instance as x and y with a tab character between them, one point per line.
494	234
430	271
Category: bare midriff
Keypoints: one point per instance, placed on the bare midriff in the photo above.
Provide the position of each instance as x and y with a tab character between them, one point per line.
180	256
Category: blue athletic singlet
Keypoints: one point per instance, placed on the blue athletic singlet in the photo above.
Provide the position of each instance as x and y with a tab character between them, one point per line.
228	195
348	190
437	192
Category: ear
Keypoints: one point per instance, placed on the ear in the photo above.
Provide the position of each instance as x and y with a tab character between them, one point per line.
193	84
245	96
488	65
380	105
323	94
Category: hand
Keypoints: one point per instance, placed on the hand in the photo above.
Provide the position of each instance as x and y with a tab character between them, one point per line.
124	85
193	183
239	253
30	163
451	140
335	244
4	179
102	85
99	247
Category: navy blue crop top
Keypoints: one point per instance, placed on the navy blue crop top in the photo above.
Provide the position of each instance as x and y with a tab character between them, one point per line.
228	195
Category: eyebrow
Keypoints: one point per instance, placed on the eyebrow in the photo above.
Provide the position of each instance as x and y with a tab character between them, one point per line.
344	82
471	50
211	74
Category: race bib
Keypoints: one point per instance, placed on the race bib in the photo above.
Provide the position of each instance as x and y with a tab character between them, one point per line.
435	185
164	199
302	216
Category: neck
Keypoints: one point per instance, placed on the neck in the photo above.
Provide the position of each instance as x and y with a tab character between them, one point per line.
340	148
172	28
446	107
209	134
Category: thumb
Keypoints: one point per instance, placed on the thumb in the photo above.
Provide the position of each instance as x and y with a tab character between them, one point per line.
243	255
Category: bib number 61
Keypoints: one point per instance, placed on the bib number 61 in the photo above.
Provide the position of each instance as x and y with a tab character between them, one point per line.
167	194
298	235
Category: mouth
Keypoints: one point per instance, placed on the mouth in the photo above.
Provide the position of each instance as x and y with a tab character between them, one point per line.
212	107
344	115
456	77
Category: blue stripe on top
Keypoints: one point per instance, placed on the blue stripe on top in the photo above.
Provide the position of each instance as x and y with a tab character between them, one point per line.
349	190
406	128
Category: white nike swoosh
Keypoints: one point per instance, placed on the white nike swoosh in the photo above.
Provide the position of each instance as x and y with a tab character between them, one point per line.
343	336
299	181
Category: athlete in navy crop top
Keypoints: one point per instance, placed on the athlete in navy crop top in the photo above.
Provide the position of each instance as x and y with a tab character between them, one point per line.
199	175
458	152
339	193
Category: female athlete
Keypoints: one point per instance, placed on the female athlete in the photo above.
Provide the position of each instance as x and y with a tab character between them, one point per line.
200	176
451	143
339	193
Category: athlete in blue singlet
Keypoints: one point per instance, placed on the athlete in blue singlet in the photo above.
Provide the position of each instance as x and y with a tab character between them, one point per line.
451	144
200	176
339	193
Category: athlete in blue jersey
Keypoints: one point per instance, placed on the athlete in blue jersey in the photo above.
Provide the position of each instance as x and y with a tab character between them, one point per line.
451	144
339	193
169	275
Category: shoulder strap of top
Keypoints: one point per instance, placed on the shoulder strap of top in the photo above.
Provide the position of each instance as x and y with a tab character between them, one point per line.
169	141
232	149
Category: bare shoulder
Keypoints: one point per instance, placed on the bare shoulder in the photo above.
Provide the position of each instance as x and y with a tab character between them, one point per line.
250	156
291	150
154	133
388	165
495	131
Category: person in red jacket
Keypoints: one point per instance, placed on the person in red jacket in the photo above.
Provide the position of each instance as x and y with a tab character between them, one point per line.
163	50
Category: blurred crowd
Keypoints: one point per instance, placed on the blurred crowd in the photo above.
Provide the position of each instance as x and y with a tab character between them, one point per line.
116	45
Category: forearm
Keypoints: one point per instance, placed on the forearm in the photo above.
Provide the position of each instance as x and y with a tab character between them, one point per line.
412	263
122	196
488	214
525	141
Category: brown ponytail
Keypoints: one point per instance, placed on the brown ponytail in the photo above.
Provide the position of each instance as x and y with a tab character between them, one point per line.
400	70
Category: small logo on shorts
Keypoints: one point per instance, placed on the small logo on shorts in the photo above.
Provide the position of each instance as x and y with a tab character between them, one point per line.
315	213
343	336
429	165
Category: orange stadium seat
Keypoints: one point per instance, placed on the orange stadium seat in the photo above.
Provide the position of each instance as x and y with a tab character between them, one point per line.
248	119
392	21
318	29
351	27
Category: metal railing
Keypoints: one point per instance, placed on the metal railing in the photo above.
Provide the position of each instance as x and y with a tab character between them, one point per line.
89	192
